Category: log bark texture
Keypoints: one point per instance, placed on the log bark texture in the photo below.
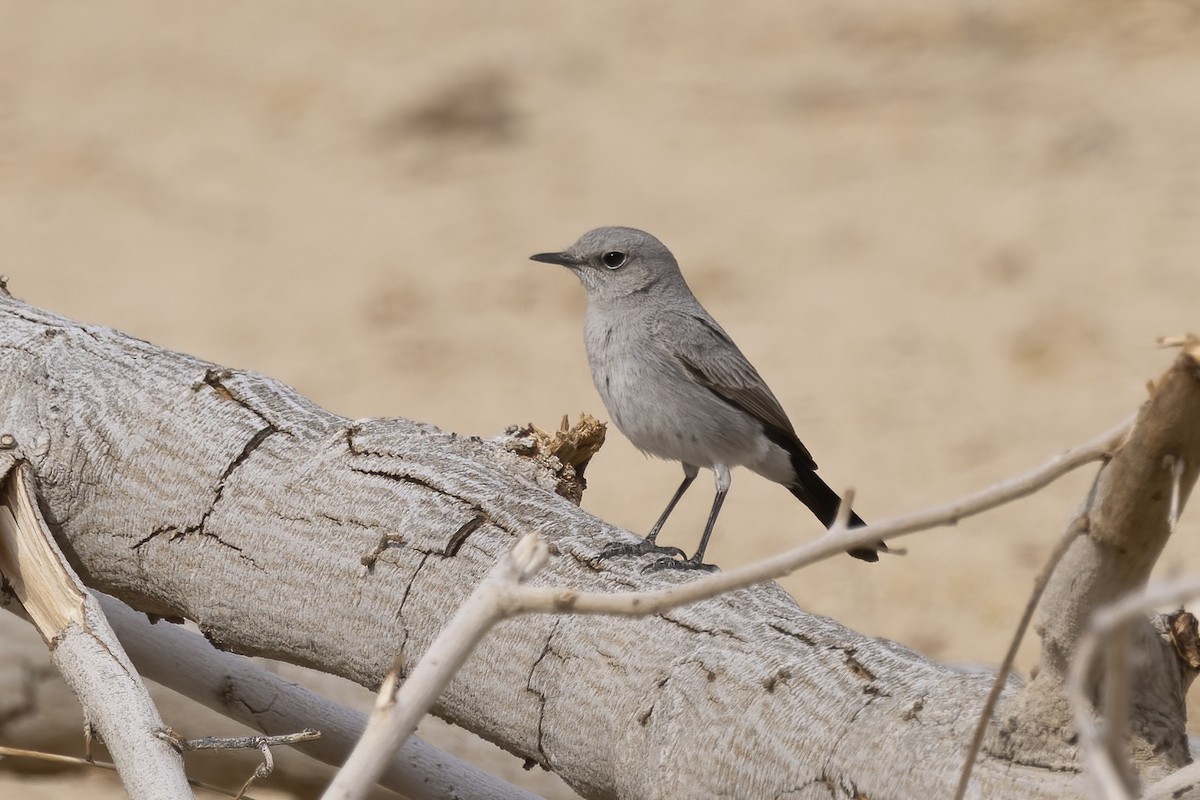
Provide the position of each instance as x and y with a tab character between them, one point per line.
286	531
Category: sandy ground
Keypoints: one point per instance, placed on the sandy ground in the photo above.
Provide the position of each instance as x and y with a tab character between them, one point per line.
947	236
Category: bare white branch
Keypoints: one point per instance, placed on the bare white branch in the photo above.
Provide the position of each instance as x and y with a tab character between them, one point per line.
1179	784
1115	699
241	689
528	599
1074	528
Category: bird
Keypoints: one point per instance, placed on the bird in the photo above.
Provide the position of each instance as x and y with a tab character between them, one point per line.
678	388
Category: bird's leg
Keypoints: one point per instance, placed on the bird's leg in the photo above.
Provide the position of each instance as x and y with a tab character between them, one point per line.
647	545
697	561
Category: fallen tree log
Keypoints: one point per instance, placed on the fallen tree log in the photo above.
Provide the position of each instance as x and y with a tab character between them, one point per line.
282	530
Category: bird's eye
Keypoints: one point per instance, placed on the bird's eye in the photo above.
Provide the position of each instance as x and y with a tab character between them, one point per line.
613	259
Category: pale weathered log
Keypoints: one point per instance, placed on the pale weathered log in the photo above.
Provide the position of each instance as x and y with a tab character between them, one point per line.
286	531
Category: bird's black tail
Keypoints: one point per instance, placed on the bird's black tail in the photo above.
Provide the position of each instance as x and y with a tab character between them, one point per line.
823	502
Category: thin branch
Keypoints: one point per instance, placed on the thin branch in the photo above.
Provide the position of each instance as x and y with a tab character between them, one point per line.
236	742
1116	697
532	599
1179	784
77	761
1129	522
262	771
841	520
241	689
1077	526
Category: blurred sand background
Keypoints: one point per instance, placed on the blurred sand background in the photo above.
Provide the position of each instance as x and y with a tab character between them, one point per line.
947	233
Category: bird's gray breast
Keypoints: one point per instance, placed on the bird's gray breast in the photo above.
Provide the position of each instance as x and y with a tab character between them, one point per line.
656	404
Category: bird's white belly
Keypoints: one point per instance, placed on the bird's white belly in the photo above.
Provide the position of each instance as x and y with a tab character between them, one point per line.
680	420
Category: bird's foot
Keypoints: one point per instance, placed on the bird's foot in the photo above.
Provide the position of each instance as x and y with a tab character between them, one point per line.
682	564
644	547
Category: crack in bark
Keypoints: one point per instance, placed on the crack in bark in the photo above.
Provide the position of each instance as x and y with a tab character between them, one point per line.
408	586
860	670
543	759
855	665
350	432
850	788
593	563
806	639
255	442
822	781
151	535
644	718
339	521
52	325
251	445
399	616
1072	769
706	631
213	378
873	690
871	700
460	536
353	522
685	626
232	695
178	533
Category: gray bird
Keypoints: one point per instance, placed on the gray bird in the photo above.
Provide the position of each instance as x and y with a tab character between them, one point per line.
678	387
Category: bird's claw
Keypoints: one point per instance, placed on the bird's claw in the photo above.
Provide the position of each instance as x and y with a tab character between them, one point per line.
684	564
616	549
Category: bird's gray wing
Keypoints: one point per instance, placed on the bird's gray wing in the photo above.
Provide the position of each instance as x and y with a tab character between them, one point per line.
715	362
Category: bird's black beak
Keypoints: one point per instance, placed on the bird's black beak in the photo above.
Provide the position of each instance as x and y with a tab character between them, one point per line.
562	259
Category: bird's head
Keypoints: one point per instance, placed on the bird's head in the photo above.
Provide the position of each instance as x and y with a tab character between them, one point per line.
617	262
